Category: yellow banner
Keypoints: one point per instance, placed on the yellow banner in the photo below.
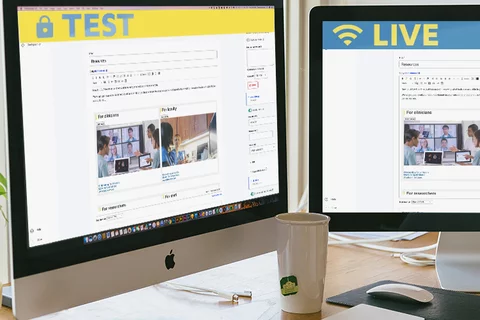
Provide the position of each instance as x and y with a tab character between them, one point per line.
69	25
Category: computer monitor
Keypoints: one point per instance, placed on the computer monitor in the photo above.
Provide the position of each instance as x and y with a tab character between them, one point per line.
382	80
77	71
433	157
121	165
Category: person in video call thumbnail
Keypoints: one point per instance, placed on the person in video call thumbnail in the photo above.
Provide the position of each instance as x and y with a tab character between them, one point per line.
113	139
410	141
155	161
131	138
114	153
178	156
130	152
150	143
424	146
469	143
446	134
103	150
167	140
423	132
476	140
443	145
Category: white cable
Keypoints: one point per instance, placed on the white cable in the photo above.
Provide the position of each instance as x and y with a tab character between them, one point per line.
231	296
358	241
362	243
399	250
417	259
226	295
412	256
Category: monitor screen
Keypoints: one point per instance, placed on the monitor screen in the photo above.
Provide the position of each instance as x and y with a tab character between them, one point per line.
121	165
433	157
396	97
132	100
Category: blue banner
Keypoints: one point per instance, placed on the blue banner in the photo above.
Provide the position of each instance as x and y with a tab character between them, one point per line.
401	35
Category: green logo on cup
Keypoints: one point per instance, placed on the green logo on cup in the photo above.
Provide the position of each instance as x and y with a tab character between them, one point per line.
289	285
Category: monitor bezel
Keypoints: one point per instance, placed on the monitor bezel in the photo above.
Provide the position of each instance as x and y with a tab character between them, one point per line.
29	261
378	221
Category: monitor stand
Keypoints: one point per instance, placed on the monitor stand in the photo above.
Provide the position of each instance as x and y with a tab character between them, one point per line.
458	261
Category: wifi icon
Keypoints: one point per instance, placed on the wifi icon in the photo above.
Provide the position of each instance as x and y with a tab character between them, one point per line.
348	35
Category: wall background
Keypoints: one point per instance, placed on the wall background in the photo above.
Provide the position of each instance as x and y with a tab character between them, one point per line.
297	22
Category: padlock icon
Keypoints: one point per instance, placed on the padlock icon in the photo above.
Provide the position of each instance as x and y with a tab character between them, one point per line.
44	28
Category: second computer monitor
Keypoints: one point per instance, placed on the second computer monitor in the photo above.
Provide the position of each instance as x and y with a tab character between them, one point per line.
393	99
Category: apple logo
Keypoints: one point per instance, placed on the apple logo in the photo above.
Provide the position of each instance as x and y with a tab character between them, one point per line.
169	262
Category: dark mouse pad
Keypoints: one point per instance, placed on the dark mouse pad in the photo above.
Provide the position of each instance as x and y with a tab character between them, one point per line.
446	305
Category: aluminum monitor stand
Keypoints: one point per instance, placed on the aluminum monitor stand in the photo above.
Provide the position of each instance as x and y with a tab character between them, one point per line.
458	261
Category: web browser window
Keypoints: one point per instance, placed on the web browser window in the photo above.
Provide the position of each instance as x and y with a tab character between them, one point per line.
401	116
141	114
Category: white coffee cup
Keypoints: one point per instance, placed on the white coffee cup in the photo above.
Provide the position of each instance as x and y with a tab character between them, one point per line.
302	240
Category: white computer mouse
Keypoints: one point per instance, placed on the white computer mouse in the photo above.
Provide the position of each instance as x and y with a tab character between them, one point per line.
397	291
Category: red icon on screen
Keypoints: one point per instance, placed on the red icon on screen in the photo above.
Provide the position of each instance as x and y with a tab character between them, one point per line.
251	85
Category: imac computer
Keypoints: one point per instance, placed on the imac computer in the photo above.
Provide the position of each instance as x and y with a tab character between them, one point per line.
389	87
99	205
